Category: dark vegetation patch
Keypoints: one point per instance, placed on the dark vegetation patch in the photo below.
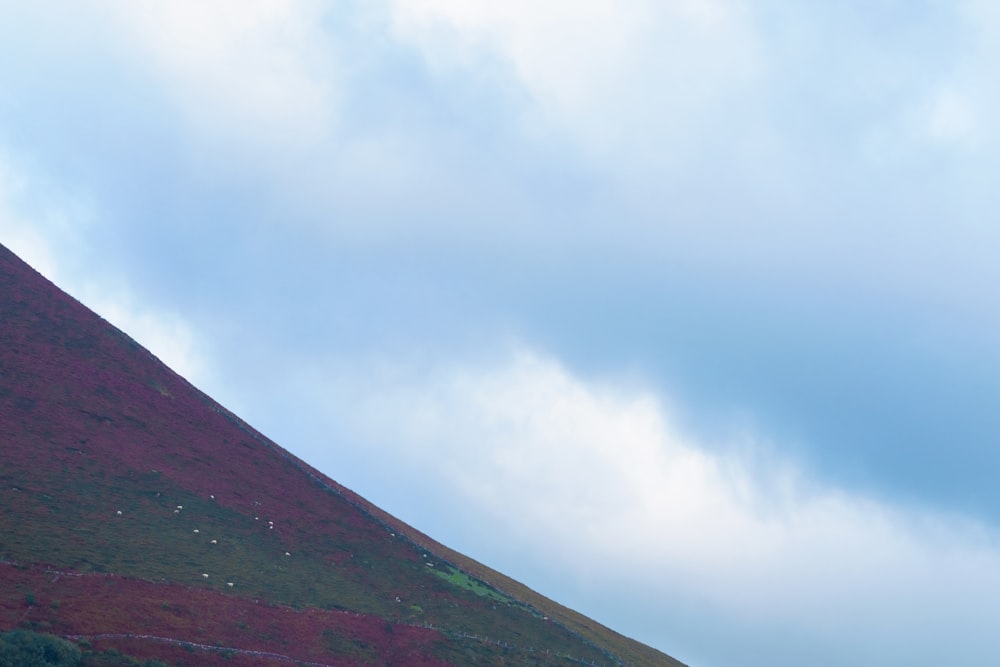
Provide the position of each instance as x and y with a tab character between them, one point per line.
23	648
26	648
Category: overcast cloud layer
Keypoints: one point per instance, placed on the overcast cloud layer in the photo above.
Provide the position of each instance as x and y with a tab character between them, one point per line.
681	311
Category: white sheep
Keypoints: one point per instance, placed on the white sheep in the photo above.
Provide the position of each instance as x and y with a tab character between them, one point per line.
205	575
196	530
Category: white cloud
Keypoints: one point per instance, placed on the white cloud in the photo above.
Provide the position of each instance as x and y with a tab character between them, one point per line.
599	477
635	77
255	75
953	119
957	111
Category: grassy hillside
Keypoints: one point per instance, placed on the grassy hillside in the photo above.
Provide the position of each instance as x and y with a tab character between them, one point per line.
141	516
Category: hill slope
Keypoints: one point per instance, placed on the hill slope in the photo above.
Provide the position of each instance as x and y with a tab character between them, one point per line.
139	515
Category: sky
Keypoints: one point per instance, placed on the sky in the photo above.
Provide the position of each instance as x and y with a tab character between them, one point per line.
682	312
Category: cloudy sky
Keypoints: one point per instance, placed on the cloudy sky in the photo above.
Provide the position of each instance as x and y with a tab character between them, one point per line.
683	312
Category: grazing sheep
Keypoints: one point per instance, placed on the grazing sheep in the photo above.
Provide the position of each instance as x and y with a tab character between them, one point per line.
205	575
229	583
214	542
287	554
196	530
119	512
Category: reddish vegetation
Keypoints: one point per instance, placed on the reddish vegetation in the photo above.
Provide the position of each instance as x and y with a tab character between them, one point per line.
71	604
103	400
122	486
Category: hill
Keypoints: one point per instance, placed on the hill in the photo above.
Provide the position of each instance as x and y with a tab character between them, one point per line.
142	521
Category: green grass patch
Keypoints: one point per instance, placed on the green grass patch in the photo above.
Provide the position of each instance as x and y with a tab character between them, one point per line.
464	581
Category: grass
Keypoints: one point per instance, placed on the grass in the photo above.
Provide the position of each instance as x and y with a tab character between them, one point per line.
465	582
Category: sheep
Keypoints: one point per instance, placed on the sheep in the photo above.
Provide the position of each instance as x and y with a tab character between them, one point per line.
119	512
205	575
196	530
214	542
287	554
229	583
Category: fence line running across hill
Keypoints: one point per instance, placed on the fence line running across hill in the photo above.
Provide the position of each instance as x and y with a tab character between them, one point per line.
514	647
206	647
285	658
448	632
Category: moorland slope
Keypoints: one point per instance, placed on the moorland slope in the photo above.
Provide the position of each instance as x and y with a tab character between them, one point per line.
142	521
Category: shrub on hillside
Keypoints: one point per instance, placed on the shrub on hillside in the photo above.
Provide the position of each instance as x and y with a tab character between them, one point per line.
22	648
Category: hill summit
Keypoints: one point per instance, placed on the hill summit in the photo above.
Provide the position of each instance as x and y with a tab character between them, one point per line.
142	523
